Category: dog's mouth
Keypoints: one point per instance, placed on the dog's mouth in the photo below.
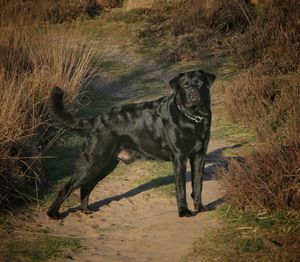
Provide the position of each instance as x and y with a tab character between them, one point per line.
192	103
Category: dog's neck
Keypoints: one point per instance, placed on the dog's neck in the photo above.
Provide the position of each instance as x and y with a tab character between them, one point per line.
197	118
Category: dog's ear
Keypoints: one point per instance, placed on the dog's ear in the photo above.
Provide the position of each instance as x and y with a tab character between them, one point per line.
210	78
174	83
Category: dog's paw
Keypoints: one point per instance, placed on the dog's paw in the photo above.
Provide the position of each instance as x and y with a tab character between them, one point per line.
186	213
53	214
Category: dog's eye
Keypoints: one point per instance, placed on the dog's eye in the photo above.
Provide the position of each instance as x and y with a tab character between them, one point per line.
186	85
197	82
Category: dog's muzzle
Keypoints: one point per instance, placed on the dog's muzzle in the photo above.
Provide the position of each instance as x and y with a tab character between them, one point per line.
193	98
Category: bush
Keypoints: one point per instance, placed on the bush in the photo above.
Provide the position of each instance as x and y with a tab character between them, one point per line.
269	105
193	28
272	42
266	181
111	3
29	69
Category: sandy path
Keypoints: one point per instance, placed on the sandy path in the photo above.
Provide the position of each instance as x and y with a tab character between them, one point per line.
135	224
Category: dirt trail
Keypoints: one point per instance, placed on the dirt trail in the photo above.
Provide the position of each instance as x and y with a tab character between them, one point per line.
135	223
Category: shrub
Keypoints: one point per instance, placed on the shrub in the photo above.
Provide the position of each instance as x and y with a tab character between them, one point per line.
193	28
111	3
269	105
29	68
272	41
266	181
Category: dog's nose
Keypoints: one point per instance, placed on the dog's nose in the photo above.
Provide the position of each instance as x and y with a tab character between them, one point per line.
193	92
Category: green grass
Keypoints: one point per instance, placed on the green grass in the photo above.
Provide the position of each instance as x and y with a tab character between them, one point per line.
36	247
223	129
277	221
249	237
112	228
157	175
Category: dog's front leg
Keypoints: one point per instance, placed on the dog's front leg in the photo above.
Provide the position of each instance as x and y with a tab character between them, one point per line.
179	165
197	169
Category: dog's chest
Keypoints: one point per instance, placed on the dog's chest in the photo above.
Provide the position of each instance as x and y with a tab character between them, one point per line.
191	139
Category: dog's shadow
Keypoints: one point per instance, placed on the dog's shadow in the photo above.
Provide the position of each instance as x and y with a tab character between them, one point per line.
214	161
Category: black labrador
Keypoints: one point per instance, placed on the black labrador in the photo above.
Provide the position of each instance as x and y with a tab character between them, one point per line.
173	128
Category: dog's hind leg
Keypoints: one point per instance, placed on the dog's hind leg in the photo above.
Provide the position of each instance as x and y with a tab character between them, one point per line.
62	195
93	160
87	188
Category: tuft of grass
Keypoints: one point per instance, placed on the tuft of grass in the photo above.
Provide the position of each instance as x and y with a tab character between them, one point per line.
36	247
29	69
112	228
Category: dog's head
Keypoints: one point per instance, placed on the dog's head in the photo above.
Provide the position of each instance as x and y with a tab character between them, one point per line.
192	89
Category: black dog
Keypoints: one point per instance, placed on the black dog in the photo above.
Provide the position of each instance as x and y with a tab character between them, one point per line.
172	128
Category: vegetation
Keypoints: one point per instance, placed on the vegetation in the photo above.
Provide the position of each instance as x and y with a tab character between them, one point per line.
29	68
38	247
268	103
249	237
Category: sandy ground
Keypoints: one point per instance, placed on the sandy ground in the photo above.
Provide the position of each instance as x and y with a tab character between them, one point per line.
133	223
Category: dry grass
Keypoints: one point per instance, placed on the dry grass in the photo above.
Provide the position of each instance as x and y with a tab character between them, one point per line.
33	59
133	4
23	12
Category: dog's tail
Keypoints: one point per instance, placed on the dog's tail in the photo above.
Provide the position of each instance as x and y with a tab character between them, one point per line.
57	109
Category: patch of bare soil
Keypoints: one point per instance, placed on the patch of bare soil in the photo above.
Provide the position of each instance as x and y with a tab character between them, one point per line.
134	223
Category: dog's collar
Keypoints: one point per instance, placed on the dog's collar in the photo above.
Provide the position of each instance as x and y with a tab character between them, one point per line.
195	118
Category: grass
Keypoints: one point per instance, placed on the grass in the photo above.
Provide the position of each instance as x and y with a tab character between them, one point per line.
38	247
249	237
112	228
157	175
226	130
